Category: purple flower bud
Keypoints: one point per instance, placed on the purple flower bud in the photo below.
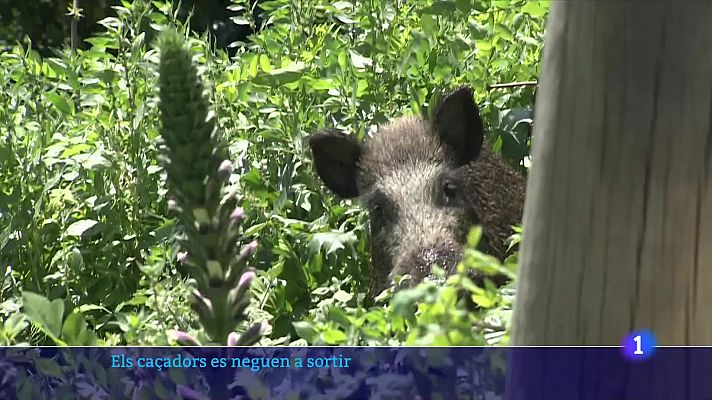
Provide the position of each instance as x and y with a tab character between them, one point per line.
263	327
237	214
184	338
232	339
225	169
249	250
246	279
253	334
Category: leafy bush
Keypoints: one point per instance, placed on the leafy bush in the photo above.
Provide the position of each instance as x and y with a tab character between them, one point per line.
86	231
47	23
430	314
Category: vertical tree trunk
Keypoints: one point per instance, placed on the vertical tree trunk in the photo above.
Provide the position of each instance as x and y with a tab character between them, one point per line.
618	219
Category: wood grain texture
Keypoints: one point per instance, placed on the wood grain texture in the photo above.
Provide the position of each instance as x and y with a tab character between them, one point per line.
618	216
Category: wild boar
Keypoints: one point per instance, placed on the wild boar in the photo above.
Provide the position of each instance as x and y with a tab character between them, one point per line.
424	184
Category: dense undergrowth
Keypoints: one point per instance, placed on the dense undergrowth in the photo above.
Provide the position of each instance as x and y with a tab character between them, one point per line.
87	243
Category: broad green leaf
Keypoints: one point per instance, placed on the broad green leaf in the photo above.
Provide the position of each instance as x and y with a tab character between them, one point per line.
281	76
339	316
359	61
265	64
59	102
240	20
333	336
78	228
305	330
75	331
534	8
332	241
343	296
43	312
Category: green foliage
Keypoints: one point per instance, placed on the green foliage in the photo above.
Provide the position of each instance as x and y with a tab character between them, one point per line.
81	194
46	24
47	316
430	314
83	202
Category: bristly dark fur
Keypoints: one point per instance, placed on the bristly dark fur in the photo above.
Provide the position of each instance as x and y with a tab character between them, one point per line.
498	199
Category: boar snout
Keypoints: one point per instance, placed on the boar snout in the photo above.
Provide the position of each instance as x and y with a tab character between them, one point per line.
420	263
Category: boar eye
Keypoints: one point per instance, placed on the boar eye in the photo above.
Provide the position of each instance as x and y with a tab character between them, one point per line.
376	210
450	192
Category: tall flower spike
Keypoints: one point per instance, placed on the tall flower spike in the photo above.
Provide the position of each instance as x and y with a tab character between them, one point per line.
196	160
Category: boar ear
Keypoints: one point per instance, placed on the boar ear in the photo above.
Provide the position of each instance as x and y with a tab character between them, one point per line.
336	161
458	123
